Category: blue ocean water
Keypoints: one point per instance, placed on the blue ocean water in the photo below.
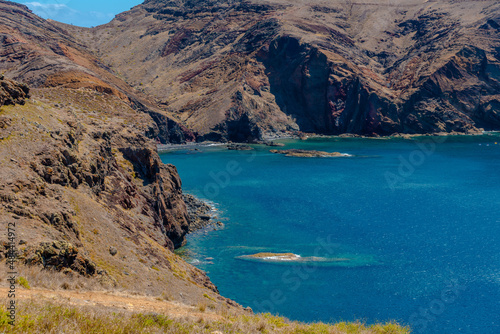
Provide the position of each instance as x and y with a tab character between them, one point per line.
418	221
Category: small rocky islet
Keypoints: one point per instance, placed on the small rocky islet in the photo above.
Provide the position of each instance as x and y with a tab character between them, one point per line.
288	258
309	153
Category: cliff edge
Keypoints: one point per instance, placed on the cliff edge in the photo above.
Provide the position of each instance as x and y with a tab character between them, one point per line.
252	69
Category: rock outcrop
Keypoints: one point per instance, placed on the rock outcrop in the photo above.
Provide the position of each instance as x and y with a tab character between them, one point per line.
309	153
41	54
12	92
200	214
246	70
59	255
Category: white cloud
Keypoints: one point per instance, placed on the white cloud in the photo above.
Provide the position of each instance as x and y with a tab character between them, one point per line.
62	13
101	15
50	10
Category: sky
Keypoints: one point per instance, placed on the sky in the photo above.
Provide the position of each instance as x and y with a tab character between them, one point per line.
84	13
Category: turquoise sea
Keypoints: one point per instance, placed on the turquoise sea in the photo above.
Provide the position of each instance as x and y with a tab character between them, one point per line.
417	222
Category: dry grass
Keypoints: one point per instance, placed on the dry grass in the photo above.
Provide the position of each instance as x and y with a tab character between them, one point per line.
35	316
42	315
34	276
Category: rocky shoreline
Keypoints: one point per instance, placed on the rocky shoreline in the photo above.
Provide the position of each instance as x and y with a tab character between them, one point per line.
201	214
195	145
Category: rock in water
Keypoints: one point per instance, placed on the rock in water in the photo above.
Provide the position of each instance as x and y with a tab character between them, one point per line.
272	143
309	153
239	147
289	258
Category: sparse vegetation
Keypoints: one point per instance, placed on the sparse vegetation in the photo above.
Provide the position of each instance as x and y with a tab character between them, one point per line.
37	277
24	282
48	317
202	307
208	297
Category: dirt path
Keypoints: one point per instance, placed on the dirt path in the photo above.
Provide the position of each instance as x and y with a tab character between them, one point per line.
116	300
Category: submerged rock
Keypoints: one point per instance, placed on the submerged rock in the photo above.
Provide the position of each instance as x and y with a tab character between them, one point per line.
272	143
309	153
239	147
288	258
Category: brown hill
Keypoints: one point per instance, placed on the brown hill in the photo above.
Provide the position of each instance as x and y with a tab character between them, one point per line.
80	177
88	195
242	70
42	54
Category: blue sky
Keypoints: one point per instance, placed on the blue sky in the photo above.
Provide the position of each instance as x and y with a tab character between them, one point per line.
85	13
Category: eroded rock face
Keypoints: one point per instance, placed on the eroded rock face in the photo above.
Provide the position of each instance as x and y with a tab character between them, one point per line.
89	195
12	92
245	70
159	195
459	96
59	255
162	191
43	54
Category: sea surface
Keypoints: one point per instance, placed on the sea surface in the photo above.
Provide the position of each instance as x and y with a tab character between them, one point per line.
416	221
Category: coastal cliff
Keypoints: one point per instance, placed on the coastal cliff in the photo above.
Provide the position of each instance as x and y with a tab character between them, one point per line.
80	175
89	195
248	70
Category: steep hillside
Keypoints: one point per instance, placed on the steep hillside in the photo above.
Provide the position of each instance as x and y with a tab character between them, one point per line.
243	70
41	54
89	196
80	177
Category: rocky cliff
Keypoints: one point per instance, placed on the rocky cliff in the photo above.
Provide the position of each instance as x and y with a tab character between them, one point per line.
80	176
42	54
88	194
243	70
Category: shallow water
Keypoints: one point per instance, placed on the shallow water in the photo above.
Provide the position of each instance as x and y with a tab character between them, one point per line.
418	220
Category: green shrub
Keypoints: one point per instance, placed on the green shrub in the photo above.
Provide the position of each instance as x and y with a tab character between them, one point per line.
24	282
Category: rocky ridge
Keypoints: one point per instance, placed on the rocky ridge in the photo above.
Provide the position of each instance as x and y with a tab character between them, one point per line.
89	195
247	70
41	54
80	174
